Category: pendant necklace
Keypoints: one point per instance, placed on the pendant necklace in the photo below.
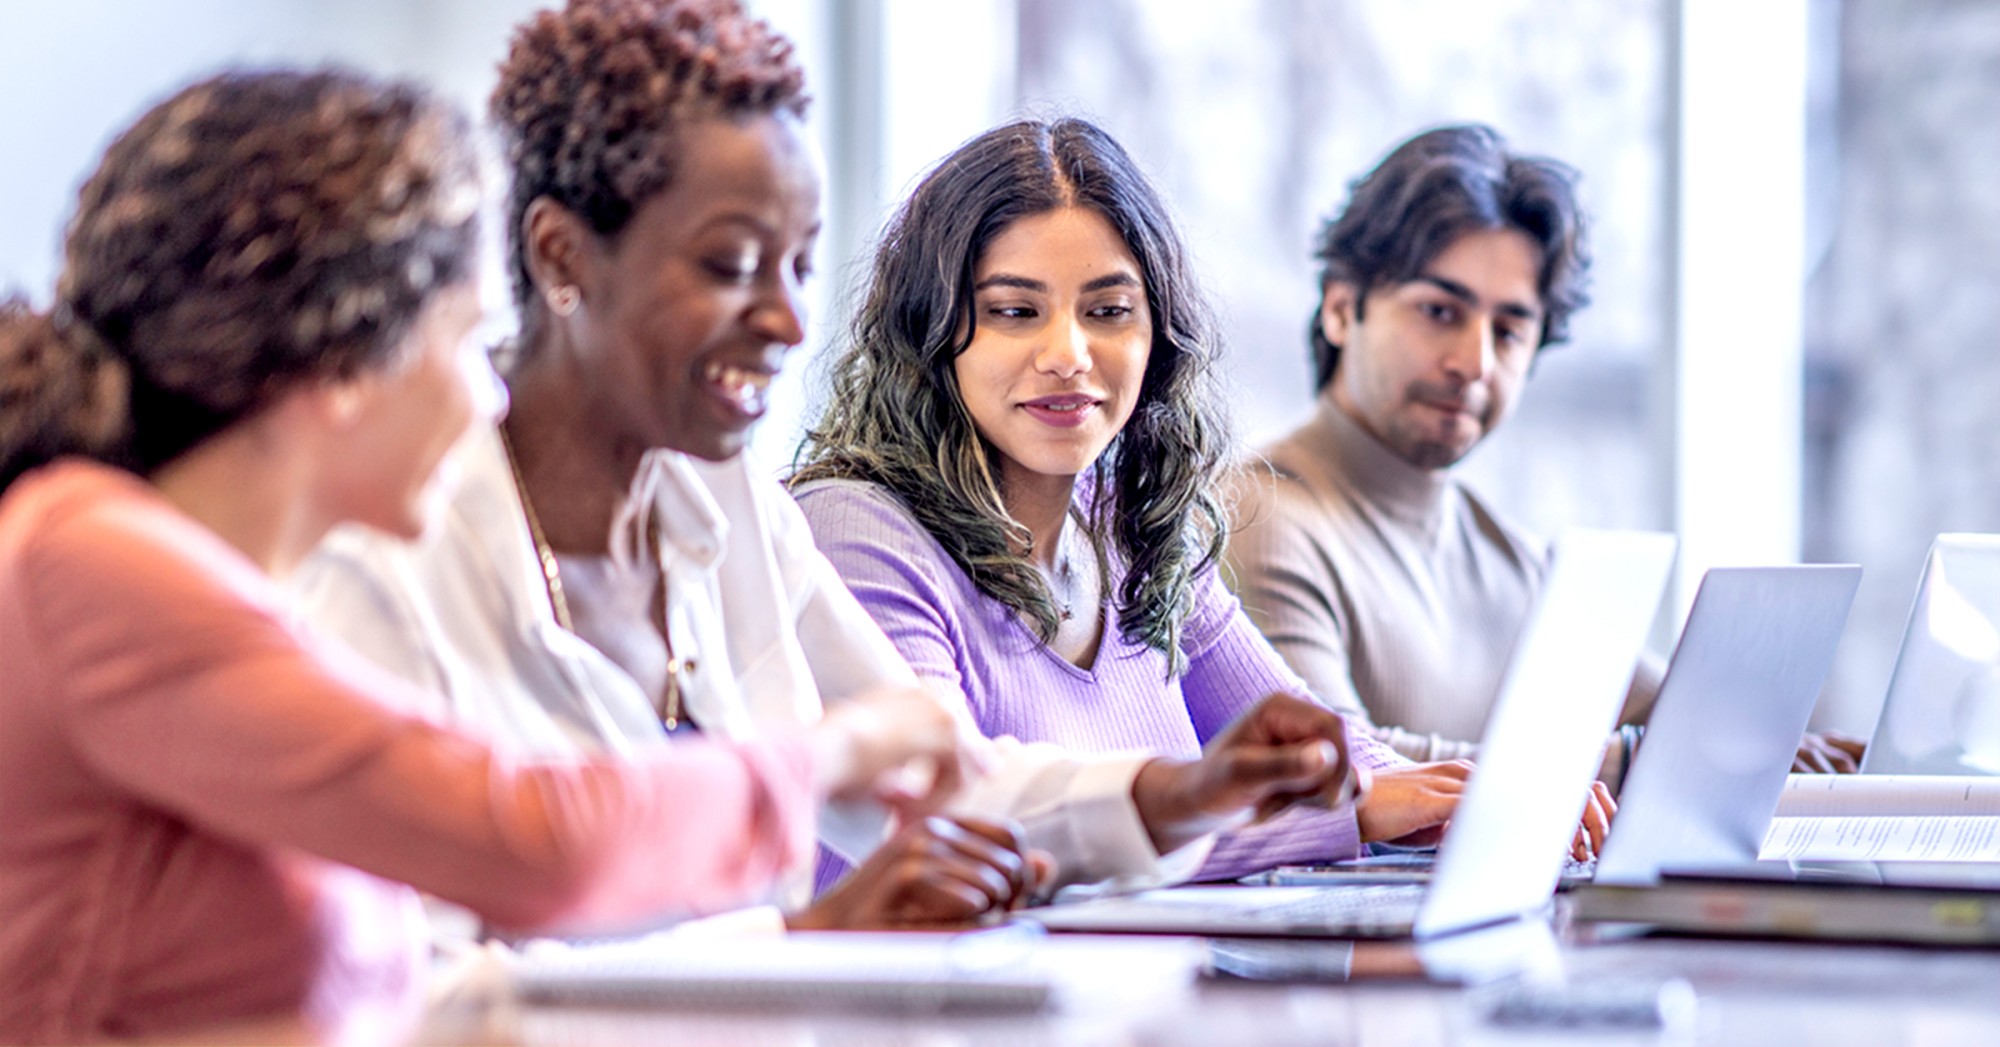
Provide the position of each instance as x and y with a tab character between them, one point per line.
1066	577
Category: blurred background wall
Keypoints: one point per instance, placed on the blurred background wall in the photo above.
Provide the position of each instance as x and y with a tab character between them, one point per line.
1902	306
1794	220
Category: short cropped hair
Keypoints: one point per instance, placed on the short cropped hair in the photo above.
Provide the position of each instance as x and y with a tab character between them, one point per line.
593	98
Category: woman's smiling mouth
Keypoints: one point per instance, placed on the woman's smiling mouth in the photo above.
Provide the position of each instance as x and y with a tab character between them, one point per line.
1064	410
743	388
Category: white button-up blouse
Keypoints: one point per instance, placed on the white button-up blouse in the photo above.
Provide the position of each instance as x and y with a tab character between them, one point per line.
771	629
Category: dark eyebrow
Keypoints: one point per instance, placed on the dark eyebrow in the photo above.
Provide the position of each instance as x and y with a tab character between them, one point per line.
1010	280
1119	279
1464	294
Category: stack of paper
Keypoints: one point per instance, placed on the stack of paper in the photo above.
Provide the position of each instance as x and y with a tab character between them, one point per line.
1886	817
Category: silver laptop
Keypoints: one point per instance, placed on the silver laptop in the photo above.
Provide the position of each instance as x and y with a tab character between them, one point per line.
1737	695
1942	713
1742	683
1504	850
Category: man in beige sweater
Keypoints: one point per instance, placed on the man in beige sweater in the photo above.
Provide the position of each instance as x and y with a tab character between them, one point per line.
1393	589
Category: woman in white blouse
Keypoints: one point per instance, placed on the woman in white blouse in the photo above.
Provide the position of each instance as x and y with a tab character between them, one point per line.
616	569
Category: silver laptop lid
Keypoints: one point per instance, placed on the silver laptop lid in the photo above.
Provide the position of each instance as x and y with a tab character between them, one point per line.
1565	683
1942	713
1742	684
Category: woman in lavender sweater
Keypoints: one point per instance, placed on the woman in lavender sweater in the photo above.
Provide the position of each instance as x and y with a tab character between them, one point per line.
1016	475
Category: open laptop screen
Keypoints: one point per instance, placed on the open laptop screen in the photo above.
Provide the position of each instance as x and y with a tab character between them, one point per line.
1942	713
1559	700
1743	681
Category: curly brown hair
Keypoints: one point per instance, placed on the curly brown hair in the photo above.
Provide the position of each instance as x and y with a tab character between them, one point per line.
254	231
592	100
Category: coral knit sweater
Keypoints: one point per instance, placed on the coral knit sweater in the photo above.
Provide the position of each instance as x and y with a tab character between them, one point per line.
207	814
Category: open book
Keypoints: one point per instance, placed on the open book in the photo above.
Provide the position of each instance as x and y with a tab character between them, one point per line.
1886	817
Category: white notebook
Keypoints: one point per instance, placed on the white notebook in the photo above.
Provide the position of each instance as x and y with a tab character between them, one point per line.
1007	969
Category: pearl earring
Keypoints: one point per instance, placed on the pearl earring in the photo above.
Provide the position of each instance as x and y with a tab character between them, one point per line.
564	300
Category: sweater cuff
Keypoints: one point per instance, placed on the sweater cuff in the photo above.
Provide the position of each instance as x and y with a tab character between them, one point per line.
1421	748
797	801
785	763
1110	838
1370	751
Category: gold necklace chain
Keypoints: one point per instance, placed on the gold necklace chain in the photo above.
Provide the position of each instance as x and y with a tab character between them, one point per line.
670	715
551	571
670	709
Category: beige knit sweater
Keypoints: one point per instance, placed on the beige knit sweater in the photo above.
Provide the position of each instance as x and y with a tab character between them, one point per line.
1393	590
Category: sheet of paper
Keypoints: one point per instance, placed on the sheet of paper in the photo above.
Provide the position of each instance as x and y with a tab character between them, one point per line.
1955	838
1808	795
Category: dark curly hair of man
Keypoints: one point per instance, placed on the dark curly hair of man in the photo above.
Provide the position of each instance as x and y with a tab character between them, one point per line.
592	99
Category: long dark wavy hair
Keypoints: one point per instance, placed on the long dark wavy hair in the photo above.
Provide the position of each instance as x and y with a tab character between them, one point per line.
894	415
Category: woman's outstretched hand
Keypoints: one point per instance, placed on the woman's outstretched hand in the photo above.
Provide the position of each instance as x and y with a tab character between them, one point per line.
1284	751
895	744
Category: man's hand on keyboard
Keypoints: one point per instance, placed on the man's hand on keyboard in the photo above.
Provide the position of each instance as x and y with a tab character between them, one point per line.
1829	752
1595	825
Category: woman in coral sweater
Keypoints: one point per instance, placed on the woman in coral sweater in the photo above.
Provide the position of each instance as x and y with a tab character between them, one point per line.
210	813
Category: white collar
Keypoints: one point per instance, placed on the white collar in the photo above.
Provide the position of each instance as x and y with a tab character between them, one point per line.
692	527
668	498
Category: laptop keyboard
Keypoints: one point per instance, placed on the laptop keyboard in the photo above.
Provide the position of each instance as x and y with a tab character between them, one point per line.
1362	905
1573	870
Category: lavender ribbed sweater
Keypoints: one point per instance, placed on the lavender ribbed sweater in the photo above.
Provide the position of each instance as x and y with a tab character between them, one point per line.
1016	686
